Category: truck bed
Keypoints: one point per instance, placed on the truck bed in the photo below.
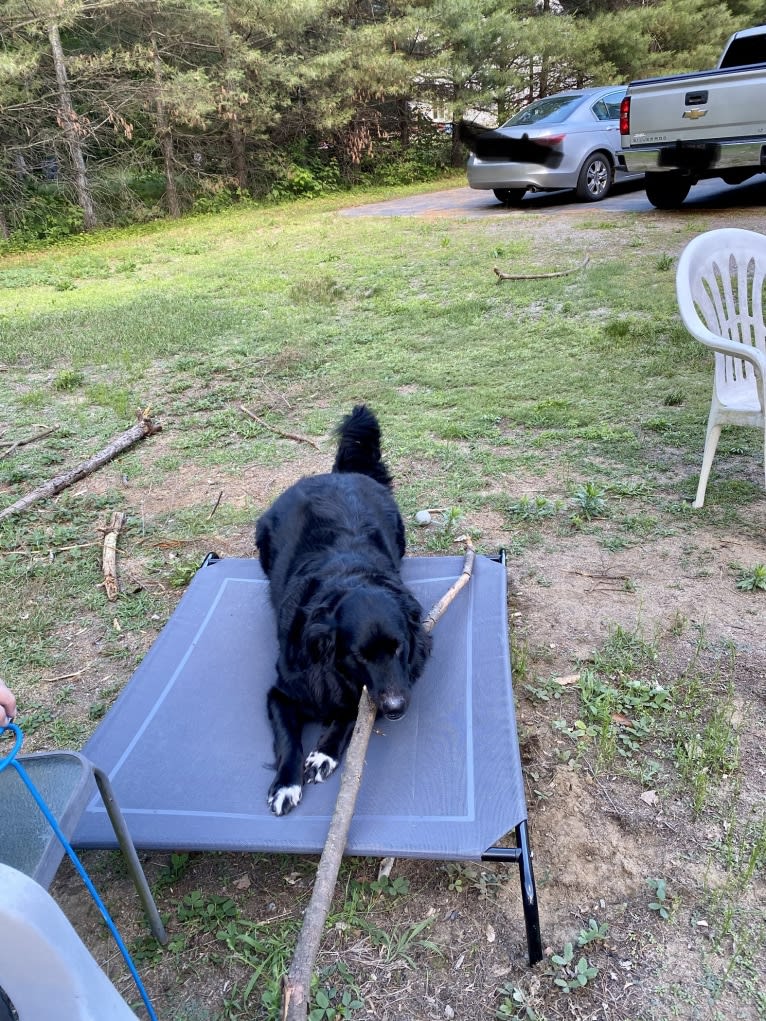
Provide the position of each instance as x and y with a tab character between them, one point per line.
717	105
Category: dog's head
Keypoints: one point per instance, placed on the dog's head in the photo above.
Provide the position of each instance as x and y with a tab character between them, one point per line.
375	639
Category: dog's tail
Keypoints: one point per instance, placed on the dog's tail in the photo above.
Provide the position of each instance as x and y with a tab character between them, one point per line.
359	446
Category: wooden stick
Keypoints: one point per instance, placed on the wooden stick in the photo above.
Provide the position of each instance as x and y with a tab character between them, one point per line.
539	276
13	447
143	427
437	610
296	986
109	557
280	432
296	991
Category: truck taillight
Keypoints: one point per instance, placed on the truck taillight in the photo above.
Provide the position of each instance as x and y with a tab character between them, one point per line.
625	116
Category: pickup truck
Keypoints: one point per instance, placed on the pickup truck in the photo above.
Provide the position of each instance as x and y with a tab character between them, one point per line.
682	128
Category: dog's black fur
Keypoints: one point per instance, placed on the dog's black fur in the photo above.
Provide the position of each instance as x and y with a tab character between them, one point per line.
331	546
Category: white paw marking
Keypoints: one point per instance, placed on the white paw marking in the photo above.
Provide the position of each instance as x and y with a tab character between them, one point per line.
284	799
318	767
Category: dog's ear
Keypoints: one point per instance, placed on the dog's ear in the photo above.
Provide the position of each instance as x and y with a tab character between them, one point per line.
320	640
263	542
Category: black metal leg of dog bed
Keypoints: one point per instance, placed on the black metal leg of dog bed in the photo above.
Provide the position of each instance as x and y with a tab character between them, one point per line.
522	855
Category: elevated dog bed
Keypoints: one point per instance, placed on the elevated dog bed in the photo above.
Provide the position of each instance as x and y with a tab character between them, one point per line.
187	745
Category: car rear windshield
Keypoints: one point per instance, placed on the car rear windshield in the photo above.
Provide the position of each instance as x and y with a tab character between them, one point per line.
551	109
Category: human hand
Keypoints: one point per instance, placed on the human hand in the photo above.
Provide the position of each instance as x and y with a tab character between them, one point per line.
7	704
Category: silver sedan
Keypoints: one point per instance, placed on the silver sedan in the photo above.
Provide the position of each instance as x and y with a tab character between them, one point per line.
582	125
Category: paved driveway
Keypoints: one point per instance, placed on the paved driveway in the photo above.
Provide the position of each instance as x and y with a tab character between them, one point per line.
626	197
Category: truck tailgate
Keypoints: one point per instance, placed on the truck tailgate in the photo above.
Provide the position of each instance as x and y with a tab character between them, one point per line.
709	106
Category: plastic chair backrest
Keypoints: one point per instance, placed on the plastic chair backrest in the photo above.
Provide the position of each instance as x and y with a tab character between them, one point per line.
45	968
720	290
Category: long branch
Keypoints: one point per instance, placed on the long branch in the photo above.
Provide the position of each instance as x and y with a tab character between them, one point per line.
297	987
143	427
296	990
539	276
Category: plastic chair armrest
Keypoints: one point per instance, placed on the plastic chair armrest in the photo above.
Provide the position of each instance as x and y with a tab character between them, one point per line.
734	348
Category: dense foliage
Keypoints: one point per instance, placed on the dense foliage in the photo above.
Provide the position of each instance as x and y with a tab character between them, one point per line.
116	111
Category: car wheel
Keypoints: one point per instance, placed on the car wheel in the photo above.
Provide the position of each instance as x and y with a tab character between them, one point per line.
595	178
667	190
510	196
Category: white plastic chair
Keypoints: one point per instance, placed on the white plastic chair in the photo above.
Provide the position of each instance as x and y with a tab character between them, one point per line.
720	291
46	971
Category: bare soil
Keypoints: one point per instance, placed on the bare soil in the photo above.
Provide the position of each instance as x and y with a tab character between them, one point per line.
596	835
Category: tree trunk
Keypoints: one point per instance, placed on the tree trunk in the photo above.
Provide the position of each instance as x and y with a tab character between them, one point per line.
239	158
4	230
403	114
236	136
70	125
457	152
165	136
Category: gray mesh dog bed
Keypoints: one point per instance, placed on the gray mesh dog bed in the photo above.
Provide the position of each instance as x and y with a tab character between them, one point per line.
187	745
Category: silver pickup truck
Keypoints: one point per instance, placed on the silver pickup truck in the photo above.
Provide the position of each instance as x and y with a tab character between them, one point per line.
686	127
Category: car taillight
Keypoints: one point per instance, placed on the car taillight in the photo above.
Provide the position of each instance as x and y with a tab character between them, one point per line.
550	139
625	116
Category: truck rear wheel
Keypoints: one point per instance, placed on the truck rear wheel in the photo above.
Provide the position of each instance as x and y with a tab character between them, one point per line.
667	191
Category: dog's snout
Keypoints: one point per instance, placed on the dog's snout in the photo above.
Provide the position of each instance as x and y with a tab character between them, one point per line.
393	706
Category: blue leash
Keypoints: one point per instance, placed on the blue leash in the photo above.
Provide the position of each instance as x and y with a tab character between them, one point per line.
10	760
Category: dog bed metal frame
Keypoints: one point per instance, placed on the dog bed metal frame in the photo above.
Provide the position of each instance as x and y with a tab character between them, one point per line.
187	744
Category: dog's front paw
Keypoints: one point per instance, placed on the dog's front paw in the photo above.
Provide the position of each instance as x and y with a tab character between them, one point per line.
318	767
284	799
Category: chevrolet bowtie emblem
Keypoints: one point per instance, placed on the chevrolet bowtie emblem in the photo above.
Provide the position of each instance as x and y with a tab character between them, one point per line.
694	115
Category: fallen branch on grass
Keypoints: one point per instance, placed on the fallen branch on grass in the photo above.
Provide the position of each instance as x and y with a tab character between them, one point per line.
143	427
296	986
109	556
539	276
13	447
280	432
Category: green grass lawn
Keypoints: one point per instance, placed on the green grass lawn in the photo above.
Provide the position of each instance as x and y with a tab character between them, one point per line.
404	313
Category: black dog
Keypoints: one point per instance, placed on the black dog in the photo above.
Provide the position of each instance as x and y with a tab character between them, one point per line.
331	546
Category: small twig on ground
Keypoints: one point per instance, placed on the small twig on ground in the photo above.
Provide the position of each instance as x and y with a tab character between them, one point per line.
279	396
64	677
215	505
169	543
53	550
601	576
539	276
296	986
144	427
109	557
13	447
280	432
